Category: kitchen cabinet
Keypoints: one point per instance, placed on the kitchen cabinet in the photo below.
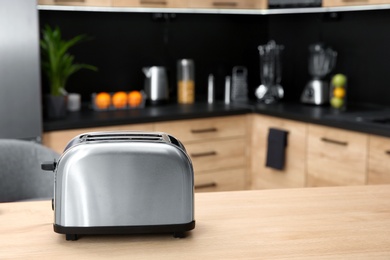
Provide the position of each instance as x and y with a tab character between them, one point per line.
378	160
335	157
332	3
57	140
293	174
149	3
76	2
230	4
218	150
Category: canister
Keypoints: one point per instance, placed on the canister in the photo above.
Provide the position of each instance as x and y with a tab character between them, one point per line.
185	81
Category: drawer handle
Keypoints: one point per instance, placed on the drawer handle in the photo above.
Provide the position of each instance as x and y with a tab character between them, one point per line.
352	1
324	139
206	185
227	4
211	153
205	130
388	152
151	2
80	1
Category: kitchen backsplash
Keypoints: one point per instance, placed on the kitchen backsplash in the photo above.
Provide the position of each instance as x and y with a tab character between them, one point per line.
123	43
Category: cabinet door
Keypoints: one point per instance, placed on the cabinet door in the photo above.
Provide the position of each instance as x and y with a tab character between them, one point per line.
336	157
230	4
330	3
76	2
379	160
57	140
149	3
293	174
222	180
205	129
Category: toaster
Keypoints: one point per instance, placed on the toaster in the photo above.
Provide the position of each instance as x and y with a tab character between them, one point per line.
123	183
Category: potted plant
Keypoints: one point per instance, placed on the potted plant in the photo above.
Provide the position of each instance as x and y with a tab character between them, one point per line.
58	65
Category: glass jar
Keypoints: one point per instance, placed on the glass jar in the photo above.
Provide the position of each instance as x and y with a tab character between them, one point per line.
185	81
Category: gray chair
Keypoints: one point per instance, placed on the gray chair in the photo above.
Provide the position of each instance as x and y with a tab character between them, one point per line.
21	177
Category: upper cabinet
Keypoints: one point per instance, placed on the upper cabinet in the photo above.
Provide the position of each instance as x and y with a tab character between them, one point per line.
332	3
228	4
149	3
76	2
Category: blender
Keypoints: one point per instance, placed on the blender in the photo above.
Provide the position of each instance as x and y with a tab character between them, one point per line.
270	90
321	62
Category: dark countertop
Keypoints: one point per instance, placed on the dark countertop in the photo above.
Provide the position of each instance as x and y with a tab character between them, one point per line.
356	118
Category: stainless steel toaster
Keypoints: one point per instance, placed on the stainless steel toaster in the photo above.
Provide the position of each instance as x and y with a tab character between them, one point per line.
123	183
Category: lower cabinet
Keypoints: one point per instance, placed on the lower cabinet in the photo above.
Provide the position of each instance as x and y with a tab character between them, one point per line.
57	140
335	157
217	147
333	3
218	150
379	160
293	173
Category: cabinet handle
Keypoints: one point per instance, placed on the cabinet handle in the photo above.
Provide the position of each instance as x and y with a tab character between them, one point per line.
227	4
352	1
211	153
388	152
206	185
205	130
151	2
80	1
324	139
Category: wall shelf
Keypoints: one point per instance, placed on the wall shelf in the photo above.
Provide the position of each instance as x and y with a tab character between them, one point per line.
214	11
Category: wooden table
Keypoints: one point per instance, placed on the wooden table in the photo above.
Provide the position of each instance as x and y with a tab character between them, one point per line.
311	223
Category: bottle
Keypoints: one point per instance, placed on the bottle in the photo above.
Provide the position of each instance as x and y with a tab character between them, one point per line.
185	81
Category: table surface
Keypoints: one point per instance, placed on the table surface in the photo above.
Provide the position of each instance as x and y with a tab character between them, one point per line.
310	223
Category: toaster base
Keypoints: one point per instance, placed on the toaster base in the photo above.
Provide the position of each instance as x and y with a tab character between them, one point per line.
72	233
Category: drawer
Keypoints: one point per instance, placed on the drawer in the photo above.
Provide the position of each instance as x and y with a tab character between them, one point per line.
149	3
214	155
205	129
224	180
330	3
76	2
230	4
336	157
57	140
379	160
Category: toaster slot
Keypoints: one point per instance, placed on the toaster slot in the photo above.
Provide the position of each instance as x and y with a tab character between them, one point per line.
112	137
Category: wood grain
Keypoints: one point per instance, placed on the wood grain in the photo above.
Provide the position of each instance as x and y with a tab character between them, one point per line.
336	157
330	3
379	160
310	223
57	140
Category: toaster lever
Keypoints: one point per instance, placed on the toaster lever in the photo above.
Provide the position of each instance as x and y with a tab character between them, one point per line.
49	166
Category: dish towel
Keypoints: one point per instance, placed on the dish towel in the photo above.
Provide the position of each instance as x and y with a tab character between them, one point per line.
276	150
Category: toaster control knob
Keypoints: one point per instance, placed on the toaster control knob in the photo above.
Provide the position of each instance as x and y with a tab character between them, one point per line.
48	166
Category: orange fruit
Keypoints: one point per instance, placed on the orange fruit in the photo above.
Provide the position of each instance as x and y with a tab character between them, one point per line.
135	98
103	100
119	99
339	92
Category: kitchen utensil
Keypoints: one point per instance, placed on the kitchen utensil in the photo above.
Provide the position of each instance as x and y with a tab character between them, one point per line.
239	84
227	89
270	89
123	182
156	85
322	60
210	89
185	81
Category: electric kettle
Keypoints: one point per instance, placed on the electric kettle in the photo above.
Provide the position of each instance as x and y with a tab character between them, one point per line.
156	85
